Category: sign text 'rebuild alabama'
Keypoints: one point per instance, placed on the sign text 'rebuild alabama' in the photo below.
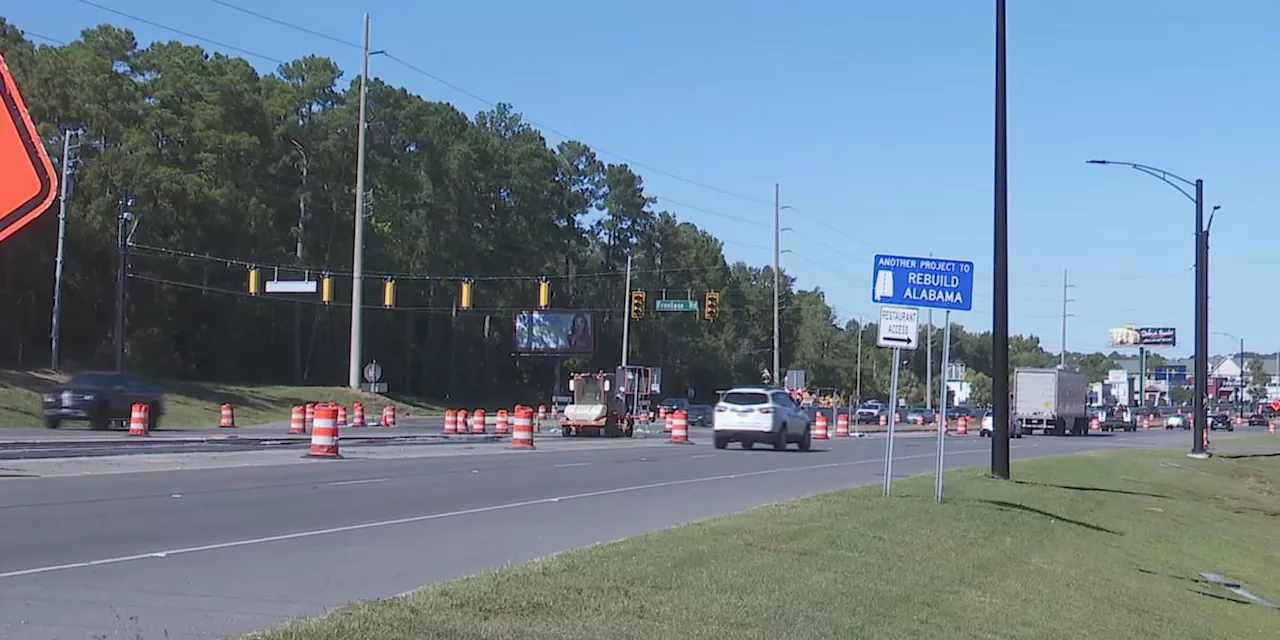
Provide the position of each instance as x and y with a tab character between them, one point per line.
936	283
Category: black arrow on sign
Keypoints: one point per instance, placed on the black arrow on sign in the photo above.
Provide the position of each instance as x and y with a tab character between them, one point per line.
893	339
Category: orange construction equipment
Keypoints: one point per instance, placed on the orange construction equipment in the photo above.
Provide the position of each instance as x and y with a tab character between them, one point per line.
500	423
522	435
389	416
542	413
477	422
324	432
357	414
680	427
962	427
311	414
819	427
139	419
1146	424
461	420
662	413
842	425
342	416
450	421
228	417
298	419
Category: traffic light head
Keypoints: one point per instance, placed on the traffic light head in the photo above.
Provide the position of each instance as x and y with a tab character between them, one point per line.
255	281
544	294
637	305
389	293
711	306
465	297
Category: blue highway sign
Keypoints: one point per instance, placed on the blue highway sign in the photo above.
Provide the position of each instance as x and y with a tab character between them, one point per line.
935	283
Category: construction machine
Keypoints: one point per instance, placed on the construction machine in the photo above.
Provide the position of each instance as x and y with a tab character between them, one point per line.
607	404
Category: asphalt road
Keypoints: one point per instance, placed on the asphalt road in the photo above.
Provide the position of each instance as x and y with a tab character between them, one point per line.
215	552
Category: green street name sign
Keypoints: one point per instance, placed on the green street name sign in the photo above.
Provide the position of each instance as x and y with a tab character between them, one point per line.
677	305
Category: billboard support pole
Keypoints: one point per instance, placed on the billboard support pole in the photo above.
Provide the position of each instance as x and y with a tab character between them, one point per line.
626	315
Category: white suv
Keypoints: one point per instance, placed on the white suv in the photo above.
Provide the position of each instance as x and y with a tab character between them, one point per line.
760	414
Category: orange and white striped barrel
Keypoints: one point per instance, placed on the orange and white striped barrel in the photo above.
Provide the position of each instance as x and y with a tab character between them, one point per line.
324	432
842	425
679	427
389	416
670	422
542	412
819	426
897	417
920	420
310	414
461	420
884	420
1094	424
298	419
522	434
477	422
450	421
662	413
962	426
227	419
1146	424
342	416
139	419
357	414
1271	427
500	423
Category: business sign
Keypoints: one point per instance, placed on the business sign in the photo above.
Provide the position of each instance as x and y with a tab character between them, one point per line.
935	283
1130	336
555	332
27	187
1117	376
899	328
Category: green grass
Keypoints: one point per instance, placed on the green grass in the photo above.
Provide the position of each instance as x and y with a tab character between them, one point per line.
193	404
1104	545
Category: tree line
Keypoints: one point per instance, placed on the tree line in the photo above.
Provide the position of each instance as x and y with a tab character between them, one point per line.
232	169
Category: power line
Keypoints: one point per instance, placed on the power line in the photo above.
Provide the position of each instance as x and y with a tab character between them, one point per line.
180	32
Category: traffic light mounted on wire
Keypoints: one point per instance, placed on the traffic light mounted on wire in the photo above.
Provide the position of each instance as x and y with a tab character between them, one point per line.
711	306
637	305
464	301
544	294
255	281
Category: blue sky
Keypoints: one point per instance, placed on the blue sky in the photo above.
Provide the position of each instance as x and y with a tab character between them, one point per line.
876	119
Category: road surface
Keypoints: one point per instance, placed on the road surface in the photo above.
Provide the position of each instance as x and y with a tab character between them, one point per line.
208	553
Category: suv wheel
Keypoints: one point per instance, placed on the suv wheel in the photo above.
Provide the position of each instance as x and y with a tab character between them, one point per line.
806	440
780	442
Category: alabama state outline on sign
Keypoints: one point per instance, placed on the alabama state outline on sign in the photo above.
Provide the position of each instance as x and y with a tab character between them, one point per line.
28	186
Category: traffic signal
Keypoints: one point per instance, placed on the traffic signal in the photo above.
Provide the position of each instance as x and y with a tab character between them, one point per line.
326	289
637	305
255	281
464	301
544	294
711	306
389	293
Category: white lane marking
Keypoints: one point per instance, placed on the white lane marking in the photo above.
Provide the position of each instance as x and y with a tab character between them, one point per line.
703	455
345	483
454	514
566	465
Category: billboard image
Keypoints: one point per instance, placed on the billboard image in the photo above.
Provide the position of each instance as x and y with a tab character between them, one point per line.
1129	337
555	332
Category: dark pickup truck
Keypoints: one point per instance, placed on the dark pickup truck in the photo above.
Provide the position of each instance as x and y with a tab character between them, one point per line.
100	398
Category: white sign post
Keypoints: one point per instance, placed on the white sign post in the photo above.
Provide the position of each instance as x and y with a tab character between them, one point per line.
899	329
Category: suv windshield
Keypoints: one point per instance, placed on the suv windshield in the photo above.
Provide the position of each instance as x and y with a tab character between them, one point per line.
746	398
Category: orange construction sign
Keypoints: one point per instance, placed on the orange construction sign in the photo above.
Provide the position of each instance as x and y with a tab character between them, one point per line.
28	186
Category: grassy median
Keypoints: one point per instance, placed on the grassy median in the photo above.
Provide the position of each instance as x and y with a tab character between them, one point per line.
196	404
1105	545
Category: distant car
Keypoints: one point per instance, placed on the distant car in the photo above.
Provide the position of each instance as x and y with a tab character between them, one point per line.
918	415
988	426
748	415
1176	421
100	398
1258	420
869	412
700	415
959	412
1221	421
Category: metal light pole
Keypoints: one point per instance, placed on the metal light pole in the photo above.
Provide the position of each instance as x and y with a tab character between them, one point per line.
1000	264
357	260
1201	373
777	279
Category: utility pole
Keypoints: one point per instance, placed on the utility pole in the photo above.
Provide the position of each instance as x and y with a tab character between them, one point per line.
300	256
626	314
928	359
357	259
858	375
1240	389
1062	363
777	279
124	215
55	332
1000	261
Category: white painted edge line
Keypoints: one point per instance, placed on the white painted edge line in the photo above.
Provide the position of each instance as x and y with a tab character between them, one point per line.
454	514
345	483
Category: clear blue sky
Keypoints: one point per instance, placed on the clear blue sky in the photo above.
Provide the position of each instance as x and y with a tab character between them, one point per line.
876	118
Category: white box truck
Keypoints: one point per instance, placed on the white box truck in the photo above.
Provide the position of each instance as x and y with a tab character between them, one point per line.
1051	400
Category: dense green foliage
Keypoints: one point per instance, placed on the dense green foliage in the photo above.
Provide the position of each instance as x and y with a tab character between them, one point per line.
221	160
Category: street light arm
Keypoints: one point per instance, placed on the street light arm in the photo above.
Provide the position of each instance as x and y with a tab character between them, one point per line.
1171	179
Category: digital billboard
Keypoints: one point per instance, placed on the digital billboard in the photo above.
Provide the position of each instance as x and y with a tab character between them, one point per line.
1130	336
555	332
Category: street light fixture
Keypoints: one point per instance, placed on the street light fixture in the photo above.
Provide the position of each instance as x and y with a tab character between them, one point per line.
1199	421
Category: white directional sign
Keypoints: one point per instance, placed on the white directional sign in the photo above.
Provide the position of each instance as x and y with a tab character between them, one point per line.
899	328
